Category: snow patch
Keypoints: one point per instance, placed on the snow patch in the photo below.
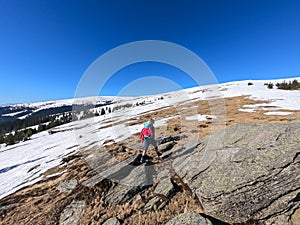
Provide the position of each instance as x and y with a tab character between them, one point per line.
250	110
14	113
279	113
200	117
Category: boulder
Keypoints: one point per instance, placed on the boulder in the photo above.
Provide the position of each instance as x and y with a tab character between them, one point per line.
189	218
72	213
295	219
114	171
112	221
67	186
246	173
5	208
166	146
171	138
185	149
139	178
171	151
162	193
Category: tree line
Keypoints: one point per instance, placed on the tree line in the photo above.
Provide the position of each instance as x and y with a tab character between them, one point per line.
291	85
23	134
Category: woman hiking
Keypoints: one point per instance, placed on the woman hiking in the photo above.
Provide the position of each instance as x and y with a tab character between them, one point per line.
147	135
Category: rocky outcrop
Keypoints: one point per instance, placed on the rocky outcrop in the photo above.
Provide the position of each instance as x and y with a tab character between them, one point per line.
162	194
167	146
115	171
106	167
72	213
250	172
67	186
295	219
137	180
112	221
189	218
132	178
171	138
245	174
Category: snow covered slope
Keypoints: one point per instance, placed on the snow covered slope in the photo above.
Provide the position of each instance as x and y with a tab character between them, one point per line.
21	111
24	163
278	99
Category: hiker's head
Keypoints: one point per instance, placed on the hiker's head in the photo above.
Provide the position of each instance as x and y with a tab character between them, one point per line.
146	124
151	121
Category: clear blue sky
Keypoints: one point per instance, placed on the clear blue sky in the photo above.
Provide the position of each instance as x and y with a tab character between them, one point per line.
47	45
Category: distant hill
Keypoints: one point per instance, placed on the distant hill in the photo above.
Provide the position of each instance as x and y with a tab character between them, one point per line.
18	116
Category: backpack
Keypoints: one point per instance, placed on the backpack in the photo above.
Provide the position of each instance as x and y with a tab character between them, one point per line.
146	132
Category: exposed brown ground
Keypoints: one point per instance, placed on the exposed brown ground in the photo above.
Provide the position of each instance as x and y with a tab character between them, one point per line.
41	203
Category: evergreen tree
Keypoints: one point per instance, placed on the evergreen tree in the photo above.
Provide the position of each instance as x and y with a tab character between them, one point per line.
270	85
1	139
52	124
9	140
40	128
102	111
18	136
34	131
29	132
295	84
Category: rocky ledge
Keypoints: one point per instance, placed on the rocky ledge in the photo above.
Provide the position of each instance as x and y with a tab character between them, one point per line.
245	174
